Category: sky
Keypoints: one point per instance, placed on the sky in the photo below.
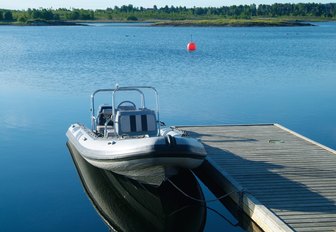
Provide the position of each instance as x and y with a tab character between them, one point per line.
103	4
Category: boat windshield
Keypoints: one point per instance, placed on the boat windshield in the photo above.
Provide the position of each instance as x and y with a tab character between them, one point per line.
124	105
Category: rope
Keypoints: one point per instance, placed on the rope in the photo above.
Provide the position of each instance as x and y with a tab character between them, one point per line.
200	200
207	207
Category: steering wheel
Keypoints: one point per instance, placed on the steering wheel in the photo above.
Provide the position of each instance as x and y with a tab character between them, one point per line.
124	102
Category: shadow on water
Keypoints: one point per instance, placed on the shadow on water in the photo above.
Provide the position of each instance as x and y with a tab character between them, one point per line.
127	205
260	179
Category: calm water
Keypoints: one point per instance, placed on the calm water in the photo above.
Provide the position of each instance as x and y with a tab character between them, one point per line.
237	75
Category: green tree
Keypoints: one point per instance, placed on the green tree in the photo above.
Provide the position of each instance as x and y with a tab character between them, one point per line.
47	14
74	15
36	14
199	11
22	19
8	16
132	18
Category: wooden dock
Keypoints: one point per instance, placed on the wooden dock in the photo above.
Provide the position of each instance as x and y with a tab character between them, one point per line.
282	180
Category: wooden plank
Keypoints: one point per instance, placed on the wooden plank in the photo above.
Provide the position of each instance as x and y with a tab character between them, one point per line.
288	180
250	205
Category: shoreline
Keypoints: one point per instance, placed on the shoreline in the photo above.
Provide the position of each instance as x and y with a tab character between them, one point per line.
236	23
260	22
40	22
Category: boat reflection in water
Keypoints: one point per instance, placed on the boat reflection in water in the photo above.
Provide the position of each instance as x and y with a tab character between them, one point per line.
127	205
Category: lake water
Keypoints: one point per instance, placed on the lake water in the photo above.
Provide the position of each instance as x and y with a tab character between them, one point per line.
285	75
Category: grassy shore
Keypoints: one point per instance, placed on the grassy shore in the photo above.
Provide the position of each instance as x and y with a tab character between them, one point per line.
257	22
42	22
254	22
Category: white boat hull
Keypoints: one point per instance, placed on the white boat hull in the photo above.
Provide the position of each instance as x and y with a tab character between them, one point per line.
137	156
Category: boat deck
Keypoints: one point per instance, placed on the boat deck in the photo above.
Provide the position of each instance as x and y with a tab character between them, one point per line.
284	181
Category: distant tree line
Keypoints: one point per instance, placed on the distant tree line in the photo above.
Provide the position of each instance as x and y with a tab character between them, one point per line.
130	12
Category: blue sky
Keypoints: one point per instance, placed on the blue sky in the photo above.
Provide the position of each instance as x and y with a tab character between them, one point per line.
103	4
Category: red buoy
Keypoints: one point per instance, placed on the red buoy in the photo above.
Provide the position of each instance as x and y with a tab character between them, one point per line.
191	46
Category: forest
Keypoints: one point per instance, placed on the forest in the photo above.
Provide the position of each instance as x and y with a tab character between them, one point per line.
132	13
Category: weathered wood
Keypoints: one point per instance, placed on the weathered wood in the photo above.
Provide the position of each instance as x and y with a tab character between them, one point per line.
285	181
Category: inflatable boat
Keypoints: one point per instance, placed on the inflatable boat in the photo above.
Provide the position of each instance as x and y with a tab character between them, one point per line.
131	140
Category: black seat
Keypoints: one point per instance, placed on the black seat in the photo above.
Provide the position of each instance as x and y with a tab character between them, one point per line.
104	114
